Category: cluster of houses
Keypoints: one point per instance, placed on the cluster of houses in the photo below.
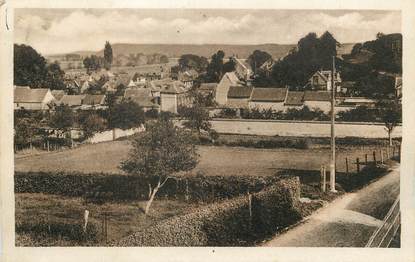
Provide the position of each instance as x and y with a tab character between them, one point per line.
150	91
154	91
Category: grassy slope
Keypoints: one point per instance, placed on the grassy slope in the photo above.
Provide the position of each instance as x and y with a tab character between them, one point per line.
106	157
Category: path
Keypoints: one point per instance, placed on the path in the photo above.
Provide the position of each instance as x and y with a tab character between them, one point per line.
348	221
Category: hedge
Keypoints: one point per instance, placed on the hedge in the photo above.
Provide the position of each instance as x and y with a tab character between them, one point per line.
102	187
226	223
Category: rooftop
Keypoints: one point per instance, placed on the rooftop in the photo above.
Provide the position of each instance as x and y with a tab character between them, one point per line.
270	94
28	95
240	92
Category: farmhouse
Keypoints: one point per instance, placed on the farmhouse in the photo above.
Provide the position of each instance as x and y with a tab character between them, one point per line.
242	69
266	67
229	79
268	98
318	99
32	99
239	96
188	77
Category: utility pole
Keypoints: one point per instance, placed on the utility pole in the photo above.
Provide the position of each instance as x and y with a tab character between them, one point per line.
333	136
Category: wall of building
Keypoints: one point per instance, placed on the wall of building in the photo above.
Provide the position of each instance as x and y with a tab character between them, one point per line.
238	102
301	128
222	89
168	102
277	106
28	106
325	106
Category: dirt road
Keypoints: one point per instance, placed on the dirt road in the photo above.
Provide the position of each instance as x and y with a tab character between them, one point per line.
348	221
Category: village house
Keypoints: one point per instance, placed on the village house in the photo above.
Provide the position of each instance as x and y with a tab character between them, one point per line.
321	81
93	102
239	96
294	100
173	96
32	99
188	77
229	79
266	67
73	101
143	97
318	100
268	98
242	69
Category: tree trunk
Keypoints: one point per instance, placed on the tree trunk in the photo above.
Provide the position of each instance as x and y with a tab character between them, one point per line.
152	195
390	136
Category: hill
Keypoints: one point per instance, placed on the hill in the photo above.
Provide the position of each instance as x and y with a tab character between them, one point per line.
206	50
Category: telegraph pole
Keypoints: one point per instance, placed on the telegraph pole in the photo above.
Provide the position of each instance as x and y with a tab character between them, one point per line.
333	136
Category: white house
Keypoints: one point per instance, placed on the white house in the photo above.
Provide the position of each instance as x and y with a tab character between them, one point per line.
32	99
229	79
173	96
321	81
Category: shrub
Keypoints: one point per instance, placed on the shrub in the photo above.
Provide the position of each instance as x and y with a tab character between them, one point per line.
103	187
226	223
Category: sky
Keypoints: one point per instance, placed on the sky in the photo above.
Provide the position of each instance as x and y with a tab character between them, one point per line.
57	31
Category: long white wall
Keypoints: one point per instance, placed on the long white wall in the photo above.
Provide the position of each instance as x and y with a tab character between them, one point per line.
110	135
301	128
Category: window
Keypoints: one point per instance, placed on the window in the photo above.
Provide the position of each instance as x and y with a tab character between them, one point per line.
315	80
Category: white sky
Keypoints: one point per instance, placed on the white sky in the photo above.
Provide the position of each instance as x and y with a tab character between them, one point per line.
52	31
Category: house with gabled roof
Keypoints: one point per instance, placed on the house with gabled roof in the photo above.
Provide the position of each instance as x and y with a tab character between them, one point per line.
239	96
58	94
229	79
268	98
174	95
32	99
321	81
207	89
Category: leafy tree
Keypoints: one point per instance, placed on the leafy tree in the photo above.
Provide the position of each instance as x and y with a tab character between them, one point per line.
125	115
62	119
197	118
258	58
391	112
29	66
24	130
359	114
215	68
54	77
31	69
107	56
190	61
164	59
91	123
92	63
162	150
229	66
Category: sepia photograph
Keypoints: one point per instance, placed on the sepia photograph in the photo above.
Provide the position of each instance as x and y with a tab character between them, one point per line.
207	127
207	131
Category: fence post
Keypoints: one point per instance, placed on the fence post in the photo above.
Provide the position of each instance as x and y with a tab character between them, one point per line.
381	156
357	165
374	157
347	166
86	215
324	183
366	159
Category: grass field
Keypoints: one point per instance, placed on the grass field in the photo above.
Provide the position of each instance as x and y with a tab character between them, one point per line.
123	218
214	160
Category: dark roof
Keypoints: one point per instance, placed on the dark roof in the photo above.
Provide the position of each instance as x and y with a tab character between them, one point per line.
294	98
93	100
240	92
317	96
269	94
137	92
27	95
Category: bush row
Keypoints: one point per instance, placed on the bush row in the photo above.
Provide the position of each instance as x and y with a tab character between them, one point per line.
227	223
102	187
